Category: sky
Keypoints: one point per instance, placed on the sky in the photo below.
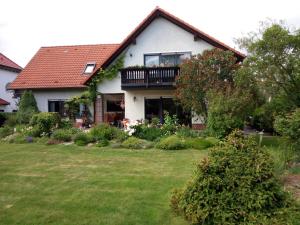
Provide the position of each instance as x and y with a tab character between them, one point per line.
27	25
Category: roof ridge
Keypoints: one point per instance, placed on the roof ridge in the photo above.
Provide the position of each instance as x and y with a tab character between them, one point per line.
17	65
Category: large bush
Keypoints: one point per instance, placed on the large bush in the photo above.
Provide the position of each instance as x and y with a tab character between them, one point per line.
227	111
45	122
234	185
27	107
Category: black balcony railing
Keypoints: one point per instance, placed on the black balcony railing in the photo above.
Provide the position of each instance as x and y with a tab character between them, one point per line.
149	77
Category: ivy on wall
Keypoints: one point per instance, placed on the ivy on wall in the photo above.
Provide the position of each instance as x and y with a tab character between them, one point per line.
89	96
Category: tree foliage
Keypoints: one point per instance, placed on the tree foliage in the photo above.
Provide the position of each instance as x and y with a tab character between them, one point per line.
274	61
213	69
27	107
228	110
234	185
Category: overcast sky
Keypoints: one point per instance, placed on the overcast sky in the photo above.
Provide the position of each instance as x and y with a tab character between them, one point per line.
26	25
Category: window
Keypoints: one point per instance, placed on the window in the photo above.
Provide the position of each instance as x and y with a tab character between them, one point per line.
166	59
89	68
57	106
151	60
113	106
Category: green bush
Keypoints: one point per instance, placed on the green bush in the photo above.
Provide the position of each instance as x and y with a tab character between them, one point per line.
228	111
3	118
198	143
235	185
103	131
136	143
62	135
27	107
5	131
82	139
214	141
102	143
66	124
149	133
289	125
45	122
187	132
170	125
171	143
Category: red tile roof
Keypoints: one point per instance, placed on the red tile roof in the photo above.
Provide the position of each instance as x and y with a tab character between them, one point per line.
61	66
8	64
3	102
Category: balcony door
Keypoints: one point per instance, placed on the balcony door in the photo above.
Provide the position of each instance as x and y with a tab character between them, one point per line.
157	108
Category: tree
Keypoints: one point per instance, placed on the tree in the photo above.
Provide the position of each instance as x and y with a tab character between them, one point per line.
228	110
27	107
274	61
213	69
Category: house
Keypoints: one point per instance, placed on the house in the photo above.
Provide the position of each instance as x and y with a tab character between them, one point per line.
143	89
8	73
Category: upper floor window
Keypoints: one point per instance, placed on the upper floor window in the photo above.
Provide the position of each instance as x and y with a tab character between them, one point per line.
89	68
166	59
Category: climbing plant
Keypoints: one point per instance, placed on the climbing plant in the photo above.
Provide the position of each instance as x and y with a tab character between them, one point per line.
90	95
109	73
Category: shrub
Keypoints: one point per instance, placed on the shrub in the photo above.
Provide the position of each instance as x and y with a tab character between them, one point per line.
11	119
66	124
18	138
2	118
234	185
198	143
187	132
62	135
170	124
289	125
27	107
82	139
102	143
214	141
103	131
136	143
5	131
227	111
45	122
146	132
171	143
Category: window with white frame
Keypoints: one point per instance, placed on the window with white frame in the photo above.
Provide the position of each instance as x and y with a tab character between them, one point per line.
89	68
166	59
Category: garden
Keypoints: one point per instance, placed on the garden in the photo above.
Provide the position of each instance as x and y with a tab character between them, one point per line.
166	173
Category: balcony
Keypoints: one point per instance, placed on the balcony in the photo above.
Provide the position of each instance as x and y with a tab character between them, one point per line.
149	77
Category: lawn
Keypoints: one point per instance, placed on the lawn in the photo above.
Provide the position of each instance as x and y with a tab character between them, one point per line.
78	185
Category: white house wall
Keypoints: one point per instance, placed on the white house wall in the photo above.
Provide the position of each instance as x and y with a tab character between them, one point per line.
161	36
43	96
7	77
135	102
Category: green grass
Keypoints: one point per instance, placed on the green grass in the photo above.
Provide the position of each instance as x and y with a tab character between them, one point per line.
78	185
